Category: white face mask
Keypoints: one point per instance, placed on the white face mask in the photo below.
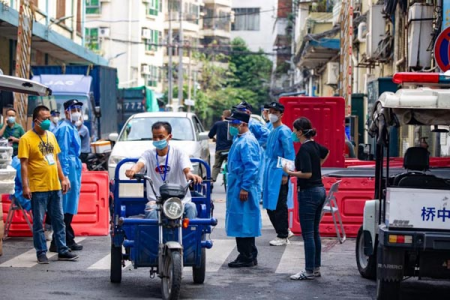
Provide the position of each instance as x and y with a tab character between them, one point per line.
273	118
55	120
78	123
75	116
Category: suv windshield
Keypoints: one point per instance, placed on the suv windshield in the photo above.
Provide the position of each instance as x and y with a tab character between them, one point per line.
140	129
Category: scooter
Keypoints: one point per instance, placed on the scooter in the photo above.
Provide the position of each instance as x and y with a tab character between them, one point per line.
98	161
170	210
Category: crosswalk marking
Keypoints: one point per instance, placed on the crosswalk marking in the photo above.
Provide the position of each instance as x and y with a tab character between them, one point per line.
216	260
290	261
105	264
28	259
293	258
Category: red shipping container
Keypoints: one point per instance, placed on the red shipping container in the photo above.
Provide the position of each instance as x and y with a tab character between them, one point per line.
93	210
327	115
351	198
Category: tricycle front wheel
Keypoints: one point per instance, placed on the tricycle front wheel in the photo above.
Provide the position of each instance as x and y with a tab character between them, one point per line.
116	264
199	273
171	282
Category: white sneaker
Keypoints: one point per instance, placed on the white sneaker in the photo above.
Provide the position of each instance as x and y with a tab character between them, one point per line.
290	234
48	235
279	242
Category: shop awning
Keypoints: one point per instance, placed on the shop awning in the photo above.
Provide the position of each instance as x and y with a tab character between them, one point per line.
48	41
318	52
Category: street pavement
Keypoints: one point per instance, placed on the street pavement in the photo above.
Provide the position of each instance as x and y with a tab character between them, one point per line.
88	278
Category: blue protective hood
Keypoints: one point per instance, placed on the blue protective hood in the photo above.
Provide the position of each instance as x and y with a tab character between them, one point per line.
66	84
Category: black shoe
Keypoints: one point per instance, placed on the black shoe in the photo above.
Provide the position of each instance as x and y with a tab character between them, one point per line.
42	259
67	256
53	248
75	247
255	262
239	263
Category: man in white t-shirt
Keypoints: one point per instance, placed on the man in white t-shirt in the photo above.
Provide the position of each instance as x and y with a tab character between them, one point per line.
165	164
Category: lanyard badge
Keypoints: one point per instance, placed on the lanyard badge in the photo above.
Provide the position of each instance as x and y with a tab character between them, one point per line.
48	156
163	178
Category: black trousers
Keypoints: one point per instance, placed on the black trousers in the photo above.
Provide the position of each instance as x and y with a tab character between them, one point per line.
70	234
83	157
247	248
279	216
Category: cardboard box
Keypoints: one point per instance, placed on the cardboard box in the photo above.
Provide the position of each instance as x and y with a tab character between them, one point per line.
101	146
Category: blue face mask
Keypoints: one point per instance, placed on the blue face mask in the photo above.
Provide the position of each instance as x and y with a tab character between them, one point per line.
295	138
234	131
45	125
161	144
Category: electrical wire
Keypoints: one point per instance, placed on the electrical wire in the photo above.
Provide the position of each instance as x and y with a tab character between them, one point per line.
195	19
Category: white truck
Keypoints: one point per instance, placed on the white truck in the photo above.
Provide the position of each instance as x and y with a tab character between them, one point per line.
406	228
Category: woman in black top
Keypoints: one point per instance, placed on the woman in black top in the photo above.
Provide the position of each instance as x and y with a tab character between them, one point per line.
311	194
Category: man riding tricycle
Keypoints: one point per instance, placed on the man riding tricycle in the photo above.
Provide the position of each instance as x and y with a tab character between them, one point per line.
159	221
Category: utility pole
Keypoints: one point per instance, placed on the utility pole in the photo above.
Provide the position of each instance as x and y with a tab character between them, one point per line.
23	57
189	77
180	50
169	42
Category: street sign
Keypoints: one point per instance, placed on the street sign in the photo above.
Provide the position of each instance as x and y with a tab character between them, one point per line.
189	102
442	50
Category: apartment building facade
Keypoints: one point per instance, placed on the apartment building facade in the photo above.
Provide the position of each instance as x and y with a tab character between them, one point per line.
130	36
254	22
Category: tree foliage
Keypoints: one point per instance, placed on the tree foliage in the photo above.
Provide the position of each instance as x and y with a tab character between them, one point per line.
246	77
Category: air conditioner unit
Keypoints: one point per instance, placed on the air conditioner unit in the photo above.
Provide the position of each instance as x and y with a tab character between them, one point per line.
103	32
375	29
362	32
332	74
420	35
145	69
146	33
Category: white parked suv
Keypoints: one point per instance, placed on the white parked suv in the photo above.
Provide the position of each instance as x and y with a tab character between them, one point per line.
136	137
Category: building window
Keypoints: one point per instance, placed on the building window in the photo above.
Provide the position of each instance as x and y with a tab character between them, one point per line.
151	44
92	41
191	12
154	76
93	7
154	7
246	19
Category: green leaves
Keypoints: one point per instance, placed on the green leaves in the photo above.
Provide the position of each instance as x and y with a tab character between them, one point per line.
226	80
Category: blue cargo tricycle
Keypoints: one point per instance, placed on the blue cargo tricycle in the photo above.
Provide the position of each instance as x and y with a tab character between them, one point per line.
167	244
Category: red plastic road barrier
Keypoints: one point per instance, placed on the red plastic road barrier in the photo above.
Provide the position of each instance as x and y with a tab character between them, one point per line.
351	197
93	210
327	115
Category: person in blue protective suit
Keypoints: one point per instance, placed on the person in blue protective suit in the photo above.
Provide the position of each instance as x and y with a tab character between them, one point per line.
243	215
70	144
275	184
260	131
261	134
55	119
265	116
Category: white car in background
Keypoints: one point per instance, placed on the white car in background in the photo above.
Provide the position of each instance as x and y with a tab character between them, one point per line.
136	137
